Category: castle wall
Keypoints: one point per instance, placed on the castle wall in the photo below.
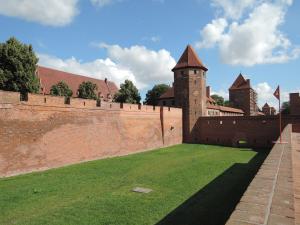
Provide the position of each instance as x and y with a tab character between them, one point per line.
295	103
8	96
240	99
45	133
253	131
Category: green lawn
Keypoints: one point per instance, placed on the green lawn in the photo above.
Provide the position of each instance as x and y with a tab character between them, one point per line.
193	184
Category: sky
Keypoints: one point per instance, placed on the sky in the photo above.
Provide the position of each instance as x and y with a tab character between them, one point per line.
142	40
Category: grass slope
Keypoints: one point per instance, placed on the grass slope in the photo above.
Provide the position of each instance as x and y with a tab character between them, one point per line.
193	184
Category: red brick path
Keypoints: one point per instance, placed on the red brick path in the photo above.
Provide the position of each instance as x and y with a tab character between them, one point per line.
269	199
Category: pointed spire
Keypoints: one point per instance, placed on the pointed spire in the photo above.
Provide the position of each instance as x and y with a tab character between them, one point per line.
188	59
240	83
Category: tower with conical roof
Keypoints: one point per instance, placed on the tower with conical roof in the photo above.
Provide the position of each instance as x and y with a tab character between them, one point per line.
243	96
190	90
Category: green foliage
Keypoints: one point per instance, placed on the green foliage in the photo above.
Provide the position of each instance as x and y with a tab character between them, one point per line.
17	67
219	99
227	103
153	95
61	89
87	90
99	192
2	79
128	93
285	108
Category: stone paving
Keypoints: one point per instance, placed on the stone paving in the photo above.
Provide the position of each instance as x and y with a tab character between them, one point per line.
270	199
296	174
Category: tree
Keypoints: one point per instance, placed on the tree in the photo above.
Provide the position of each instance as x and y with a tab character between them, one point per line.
227	103
87	90
153	95
128	93
285	108
219	99
2	79
17	67
61	89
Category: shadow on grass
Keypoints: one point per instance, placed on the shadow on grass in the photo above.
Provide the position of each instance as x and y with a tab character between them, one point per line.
214	203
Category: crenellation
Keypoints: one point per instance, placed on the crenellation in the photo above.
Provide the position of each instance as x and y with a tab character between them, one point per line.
40	136
38	99
83	103
9	97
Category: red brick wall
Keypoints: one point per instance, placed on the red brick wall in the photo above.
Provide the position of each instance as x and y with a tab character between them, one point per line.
9	97
256	131
295	103
41	136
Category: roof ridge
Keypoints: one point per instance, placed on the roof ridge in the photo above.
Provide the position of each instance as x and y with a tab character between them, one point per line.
189	58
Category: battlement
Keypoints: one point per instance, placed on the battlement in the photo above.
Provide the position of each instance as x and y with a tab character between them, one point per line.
46	132
7	97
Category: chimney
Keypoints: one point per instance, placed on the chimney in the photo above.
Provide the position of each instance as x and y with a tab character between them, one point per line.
248	81
208	91
105	80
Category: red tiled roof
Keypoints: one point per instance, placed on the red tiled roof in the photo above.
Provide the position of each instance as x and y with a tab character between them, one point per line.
168	94
240	83
230	109
210	100
188	59
49	77
224	108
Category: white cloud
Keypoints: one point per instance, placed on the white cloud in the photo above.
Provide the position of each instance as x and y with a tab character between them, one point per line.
137	63
102	3
222	93
46	12
265	94
99	68
148	66
254	40
212	33
232	8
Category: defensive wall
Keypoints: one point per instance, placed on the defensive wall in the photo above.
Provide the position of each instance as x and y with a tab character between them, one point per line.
272	197
44	132
248	131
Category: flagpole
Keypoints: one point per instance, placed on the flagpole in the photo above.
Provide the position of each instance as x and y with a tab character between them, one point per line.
280	119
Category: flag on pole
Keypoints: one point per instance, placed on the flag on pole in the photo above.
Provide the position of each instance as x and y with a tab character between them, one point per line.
277	93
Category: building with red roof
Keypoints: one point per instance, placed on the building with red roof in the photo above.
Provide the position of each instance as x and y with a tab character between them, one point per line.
49	77
268	110
243	96
190	76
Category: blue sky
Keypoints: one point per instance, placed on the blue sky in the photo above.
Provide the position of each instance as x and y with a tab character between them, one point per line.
142	39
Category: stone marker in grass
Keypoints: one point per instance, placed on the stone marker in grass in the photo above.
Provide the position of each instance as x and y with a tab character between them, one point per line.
142	190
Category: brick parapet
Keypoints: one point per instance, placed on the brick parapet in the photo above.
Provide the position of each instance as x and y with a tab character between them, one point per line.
13	98
246	131
37	135
296	170
269	199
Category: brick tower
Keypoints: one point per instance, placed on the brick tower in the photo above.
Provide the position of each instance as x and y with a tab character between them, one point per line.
243	96
190	90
